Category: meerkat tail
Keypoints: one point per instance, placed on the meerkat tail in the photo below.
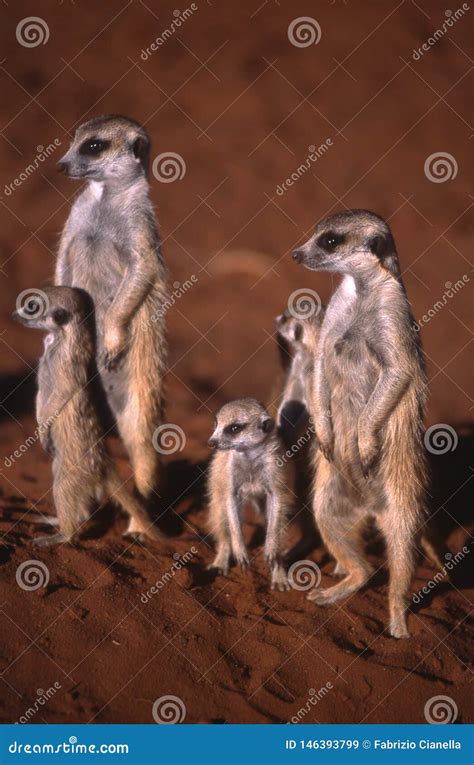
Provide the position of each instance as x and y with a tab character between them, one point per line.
140	520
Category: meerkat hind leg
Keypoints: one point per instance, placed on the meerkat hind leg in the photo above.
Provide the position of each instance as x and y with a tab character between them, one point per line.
400	539
221	562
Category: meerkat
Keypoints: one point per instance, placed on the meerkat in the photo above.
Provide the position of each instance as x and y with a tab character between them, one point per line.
369	397
247	467
298	340
111	248
69	426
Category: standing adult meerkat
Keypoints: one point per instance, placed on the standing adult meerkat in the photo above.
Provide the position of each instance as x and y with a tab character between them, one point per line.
110	247
68	423
247	467
370	380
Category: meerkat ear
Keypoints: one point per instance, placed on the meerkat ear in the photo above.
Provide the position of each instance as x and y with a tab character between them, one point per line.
141	150
382	245
60	316
267	425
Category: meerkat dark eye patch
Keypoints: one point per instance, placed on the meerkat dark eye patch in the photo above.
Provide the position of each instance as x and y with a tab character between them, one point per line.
298	332
60	316
93	147
382	245
234	428
330	240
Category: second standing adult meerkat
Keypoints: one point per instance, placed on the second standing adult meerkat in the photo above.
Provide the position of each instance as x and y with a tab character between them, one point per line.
110	247
369	397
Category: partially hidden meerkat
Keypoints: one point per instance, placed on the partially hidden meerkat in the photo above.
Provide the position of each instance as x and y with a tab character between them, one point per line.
369	398
298	343
298	339
110	247
69	426
247	467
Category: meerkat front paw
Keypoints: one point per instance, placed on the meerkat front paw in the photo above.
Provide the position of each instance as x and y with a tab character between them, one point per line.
279	579
325	439
115	346
368	445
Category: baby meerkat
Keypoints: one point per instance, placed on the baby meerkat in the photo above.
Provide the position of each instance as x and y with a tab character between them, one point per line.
298	339
369	398
68	422
247	467
110	247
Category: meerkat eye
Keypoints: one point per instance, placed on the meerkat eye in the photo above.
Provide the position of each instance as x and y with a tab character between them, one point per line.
234	428
93	147
330	241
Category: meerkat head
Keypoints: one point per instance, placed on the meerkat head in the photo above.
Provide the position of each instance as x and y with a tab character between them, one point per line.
298	332
54	309
350	243
241	425
107	148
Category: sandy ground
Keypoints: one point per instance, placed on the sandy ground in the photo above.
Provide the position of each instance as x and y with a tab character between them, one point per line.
240	104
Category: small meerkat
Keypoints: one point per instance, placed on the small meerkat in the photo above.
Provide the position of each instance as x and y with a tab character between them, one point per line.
247	467
297	339
110	247
69	426
369	397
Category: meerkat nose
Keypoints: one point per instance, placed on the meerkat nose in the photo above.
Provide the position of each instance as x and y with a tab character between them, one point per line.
297	255
212	442
62	166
